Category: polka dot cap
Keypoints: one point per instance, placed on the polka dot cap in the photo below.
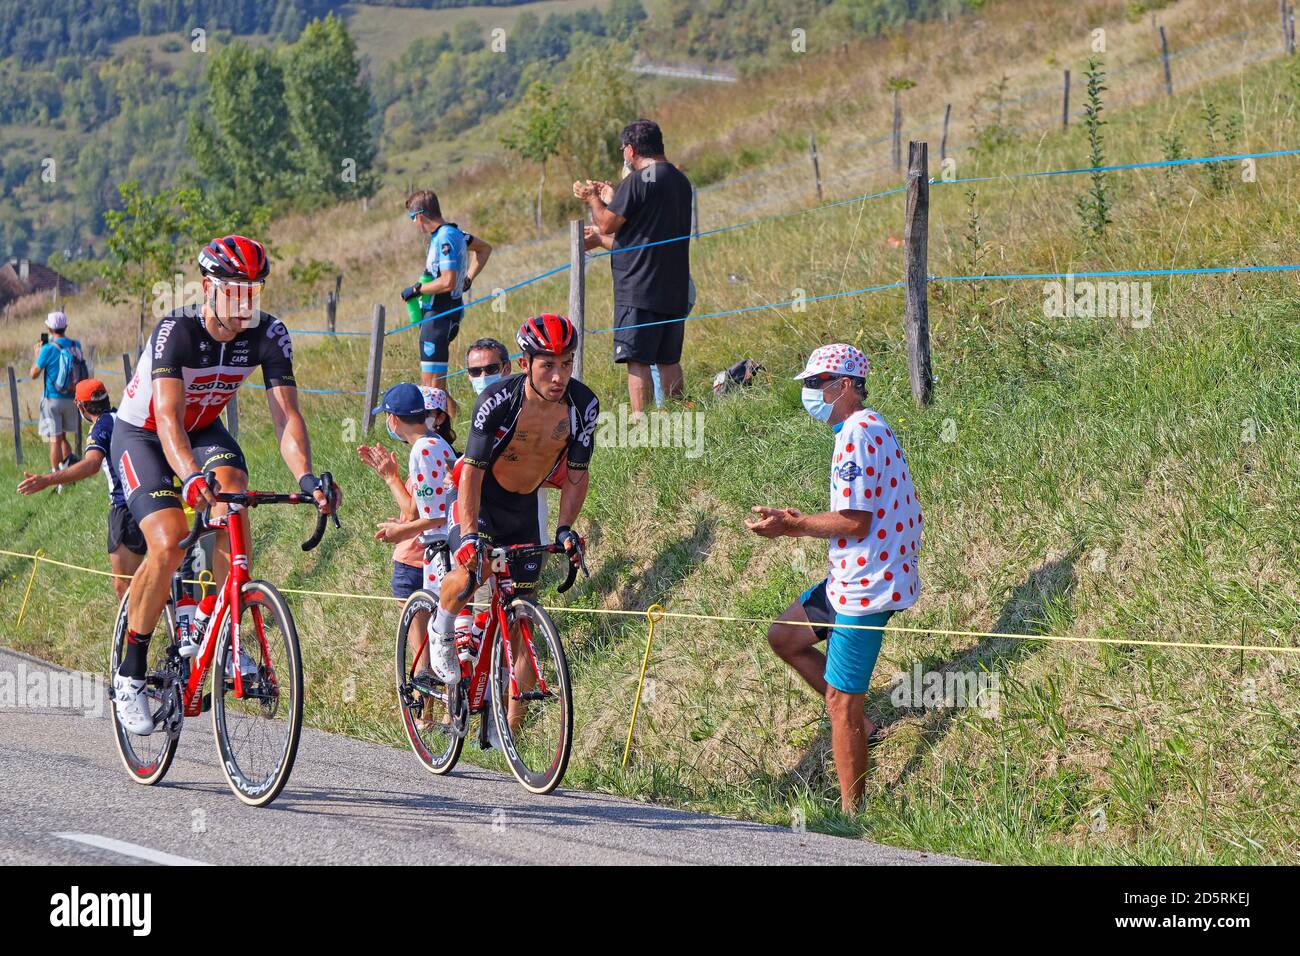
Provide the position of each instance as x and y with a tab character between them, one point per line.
836	359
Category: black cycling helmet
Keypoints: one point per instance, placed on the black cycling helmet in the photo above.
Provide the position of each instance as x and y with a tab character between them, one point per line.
547	333
234	257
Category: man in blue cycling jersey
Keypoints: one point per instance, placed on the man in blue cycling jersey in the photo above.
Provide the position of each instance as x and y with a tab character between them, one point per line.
454	259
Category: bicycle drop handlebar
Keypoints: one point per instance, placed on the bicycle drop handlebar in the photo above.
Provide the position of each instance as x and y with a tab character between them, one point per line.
251	499
527	550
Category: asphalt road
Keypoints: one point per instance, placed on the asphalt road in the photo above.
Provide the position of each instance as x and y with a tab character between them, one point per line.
66	800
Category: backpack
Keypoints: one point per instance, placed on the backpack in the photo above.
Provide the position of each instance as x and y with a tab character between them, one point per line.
740	374
70	367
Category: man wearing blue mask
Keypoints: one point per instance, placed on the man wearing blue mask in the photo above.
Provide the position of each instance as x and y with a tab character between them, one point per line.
873	530
486	361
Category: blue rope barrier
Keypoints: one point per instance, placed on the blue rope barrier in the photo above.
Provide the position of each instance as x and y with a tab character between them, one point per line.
1119	166
473	302
1206	270
754	308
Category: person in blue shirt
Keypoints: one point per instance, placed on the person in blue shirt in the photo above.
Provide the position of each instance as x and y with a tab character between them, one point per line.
126	544
58	410
454	259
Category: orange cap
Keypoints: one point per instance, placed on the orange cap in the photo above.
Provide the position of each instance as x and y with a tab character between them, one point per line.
91	390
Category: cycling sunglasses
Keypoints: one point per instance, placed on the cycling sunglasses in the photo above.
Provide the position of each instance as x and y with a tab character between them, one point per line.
820	381
414	213
474	371
237	287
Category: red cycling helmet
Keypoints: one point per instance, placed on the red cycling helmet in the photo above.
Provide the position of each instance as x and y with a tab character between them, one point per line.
547	333
234	257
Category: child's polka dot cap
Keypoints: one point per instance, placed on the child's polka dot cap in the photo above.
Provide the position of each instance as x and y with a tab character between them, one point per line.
435	399
838	359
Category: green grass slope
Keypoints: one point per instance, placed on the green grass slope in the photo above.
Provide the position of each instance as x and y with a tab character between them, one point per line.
1081	479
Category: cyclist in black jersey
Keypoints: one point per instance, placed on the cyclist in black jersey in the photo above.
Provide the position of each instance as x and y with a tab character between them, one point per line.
531	428
168	424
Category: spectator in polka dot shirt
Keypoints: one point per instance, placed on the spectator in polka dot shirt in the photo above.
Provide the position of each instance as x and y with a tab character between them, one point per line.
421	421
873	530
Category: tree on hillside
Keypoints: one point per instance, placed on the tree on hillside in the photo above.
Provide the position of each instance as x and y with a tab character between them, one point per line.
328	106
147	241
622	17
240	144
535	135
603	94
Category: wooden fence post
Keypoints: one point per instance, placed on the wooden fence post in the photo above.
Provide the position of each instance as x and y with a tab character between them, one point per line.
16	416
578	291
1286	33
1065	103
897	134
943	142
1164	55
916	279
695	215
817	171
374	367
331	310
126	366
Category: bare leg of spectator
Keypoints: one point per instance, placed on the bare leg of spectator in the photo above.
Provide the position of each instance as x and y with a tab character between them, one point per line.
671	376
640	387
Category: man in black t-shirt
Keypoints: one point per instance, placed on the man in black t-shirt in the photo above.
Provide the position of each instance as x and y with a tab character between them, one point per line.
651	205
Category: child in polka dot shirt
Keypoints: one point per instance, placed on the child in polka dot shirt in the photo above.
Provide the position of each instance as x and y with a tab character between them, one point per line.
422	499
873	533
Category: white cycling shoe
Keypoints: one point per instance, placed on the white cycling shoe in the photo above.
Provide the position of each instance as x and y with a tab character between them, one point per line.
443	658
132	705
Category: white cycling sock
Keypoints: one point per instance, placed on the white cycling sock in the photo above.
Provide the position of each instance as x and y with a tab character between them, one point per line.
444	625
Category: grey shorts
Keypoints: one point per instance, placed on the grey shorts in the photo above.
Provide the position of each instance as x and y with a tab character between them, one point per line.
59	416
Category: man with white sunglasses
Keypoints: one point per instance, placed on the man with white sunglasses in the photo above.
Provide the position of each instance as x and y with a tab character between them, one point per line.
168	423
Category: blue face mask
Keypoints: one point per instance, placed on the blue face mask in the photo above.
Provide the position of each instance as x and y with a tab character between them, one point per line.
815	405
392	434
482	382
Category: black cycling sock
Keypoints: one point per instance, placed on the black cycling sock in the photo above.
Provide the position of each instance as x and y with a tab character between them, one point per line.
136	660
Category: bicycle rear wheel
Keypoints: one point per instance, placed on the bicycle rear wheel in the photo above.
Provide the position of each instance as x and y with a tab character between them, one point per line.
257	734
532	699
147	759
424	714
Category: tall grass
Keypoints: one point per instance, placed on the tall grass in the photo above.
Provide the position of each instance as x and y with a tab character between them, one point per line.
1080	478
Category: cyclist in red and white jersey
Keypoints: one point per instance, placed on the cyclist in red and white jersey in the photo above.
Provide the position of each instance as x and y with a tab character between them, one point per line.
168	424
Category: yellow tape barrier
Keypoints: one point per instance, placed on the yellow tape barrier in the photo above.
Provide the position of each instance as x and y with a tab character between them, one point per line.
1048	638
656	613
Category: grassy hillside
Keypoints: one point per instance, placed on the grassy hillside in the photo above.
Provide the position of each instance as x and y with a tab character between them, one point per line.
1082	478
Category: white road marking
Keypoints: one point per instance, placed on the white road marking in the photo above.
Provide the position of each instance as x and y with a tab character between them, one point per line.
130	849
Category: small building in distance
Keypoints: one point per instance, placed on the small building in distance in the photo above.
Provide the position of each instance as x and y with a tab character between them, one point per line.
22	277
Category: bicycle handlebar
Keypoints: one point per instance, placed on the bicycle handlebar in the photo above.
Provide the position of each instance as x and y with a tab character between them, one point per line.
252	499
522	551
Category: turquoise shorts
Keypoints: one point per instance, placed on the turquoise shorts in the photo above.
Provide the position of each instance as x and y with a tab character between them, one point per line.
850	652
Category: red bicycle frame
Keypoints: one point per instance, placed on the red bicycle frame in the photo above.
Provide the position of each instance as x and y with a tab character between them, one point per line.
227	598
503	589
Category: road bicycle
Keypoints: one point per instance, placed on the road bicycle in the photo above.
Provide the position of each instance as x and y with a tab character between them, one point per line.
256	705
519	687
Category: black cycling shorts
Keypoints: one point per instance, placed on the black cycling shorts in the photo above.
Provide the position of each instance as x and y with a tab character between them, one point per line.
123	530
649	338
147	480
437	335
506	518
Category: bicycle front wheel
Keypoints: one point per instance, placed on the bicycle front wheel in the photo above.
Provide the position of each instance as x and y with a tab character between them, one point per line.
147	759
257	733
424	710
532	699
